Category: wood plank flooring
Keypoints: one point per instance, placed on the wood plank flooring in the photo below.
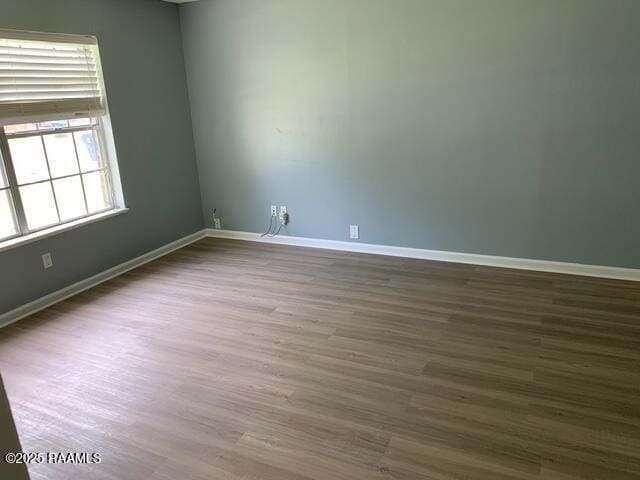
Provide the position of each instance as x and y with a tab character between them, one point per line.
237	360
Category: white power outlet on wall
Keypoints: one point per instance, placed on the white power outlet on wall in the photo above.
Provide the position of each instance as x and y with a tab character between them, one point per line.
354	232
216	220
283	216
47	262
274	211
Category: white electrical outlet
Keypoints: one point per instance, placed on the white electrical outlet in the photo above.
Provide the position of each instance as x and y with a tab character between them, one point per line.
283	209
274	211
216	223
354	231
47	262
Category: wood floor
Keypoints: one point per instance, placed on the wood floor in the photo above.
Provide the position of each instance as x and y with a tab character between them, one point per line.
237	360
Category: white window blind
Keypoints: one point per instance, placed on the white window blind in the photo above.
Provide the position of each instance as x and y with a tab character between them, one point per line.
44	77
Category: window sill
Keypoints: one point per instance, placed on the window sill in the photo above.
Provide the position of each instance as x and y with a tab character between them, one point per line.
49	232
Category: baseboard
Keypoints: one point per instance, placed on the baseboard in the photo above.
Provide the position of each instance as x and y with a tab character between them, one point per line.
30	308
71	290
617	273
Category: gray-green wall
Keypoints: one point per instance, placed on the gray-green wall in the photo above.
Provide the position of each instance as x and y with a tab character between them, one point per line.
144	74
506	127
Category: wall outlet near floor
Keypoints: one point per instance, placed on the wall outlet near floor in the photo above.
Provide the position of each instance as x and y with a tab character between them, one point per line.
354	231
274	211
216	220
47	262
283	216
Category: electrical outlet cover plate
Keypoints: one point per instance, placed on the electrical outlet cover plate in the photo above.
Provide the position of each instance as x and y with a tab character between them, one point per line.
274	211
283	209
47	262
216	223
354	231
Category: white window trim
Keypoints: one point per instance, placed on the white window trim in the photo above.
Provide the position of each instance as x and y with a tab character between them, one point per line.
106	146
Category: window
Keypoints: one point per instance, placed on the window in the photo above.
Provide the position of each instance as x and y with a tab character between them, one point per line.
57	161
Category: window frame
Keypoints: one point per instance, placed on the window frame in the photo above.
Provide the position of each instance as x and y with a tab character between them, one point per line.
11	187
19	215
105	143
8	188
